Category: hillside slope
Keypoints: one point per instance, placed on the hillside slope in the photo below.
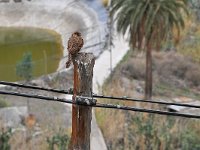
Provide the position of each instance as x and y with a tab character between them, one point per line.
175	76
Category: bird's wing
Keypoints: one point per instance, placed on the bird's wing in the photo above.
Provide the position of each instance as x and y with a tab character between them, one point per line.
80	42
70	43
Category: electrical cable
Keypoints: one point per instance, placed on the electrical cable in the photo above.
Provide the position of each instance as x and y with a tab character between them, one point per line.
100	96
101	105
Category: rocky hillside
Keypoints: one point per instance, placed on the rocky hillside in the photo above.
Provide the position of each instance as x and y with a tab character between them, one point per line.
175	76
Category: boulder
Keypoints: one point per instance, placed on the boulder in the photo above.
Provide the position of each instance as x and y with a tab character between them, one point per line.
13	116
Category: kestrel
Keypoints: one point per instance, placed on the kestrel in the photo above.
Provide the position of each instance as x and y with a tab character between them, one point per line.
75	43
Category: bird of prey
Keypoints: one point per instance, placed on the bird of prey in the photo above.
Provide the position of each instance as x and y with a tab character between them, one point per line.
75	43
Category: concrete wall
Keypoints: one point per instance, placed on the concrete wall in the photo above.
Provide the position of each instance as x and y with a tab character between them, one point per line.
63	16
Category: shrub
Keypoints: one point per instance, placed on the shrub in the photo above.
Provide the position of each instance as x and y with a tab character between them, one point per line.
190	139
175	69
193	76
134	69
3	103
144	131
59	140
5	136
172	64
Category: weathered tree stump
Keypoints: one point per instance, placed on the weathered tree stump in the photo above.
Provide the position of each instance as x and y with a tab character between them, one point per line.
82	115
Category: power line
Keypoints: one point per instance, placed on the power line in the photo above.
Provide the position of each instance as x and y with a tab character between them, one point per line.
79	99
100	105
152	111
98	96
36	87
145	101
36	96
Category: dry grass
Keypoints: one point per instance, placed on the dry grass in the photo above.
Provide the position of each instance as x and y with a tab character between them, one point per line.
173	67
171	71
125	130
26	138
134	68
189	45
51	118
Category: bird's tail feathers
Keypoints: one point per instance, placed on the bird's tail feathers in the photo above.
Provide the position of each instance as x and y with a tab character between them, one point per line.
68	63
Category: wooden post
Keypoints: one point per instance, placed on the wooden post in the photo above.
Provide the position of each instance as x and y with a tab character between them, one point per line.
82	115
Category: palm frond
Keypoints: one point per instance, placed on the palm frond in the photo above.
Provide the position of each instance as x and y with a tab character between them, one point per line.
149	20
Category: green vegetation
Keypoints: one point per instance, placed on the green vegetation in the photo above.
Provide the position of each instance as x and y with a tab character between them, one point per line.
44	45
149	24
169	91
191	44
59	141
147	131
24	68
51	140
154	25
3	103
5	136
175	76
168	133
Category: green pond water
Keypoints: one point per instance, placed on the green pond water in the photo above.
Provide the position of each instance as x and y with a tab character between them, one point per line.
44	45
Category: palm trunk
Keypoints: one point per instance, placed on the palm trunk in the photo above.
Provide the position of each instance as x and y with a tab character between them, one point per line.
148	79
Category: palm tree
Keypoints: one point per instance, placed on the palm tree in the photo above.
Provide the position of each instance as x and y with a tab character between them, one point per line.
148	23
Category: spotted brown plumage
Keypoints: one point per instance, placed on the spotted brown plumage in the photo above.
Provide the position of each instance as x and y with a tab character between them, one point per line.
75	43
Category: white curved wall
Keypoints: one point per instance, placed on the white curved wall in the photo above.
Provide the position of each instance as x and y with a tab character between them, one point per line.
63	16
